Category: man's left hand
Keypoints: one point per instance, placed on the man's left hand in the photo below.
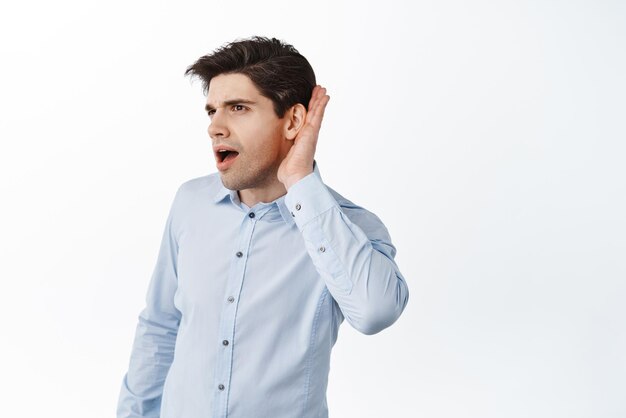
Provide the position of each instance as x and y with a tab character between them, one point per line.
299	161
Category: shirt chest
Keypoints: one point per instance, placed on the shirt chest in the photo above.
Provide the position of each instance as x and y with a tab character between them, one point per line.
259	263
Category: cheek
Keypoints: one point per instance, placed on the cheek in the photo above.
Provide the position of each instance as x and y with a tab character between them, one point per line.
260	137
267	140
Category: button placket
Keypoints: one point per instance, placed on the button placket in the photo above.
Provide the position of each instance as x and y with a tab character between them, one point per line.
235	281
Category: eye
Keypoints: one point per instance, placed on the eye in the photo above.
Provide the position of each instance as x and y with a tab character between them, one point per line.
238	107
210	112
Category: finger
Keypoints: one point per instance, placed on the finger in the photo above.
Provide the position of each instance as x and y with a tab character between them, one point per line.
313	97
315	116
317	93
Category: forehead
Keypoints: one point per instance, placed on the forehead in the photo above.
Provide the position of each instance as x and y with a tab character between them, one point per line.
228	86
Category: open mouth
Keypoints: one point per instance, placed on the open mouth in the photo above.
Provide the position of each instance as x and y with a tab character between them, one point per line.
226	155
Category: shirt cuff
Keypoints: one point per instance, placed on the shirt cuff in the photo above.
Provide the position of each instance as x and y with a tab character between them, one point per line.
308	198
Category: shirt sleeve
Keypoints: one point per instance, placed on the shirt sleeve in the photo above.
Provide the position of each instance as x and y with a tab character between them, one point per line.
155	336
355	261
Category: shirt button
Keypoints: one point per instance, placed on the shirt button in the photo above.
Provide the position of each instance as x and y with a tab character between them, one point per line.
251	214
298	207
322	249
225	342
239	254
231	299
220	387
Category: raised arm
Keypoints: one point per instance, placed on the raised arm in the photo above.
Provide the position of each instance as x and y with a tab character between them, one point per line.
356	259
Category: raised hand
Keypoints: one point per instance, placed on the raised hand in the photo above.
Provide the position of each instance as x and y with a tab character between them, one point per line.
299	161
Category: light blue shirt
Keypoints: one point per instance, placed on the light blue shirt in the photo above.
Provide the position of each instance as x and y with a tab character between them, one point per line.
244	304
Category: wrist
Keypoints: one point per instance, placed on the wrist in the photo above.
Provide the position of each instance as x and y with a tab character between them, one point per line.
294	178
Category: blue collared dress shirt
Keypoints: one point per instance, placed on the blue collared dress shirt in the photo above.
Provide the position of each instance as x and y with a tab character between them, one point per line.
244	304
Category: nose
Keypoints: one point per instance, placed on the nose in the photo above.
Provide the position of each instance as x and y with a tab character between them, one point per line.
217	127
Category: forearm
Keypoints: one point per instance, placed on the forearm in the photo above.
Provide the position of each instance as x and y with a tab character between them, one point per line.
357	267
155	337
151	357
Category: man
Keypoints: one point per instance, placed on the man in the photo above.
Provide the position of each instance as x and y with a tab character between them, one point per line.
259	264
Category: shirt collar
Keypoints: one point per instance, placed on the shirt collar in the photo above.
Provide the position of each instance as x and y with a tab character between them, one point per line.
223	192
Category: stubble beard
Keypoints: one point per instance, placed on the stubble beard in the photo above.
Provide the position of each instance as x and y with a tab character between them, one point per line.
249	177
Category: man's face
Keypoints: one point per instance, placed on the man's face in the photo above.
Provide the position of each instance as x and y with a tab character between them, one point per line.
242	120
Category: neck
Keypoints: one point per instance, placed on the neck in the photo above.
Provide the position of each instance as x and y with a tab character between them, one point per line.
251	197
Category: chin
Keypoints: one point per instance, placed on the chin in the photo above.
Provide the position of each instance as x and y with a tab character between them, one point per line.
228	183
236	183
249	179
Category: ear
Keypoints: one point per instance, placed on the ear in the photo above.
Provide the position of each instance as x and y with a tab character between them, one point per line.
294	121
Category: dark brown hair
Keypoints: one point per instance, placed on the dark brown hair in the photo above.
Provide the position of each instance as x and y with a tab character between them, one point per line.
276	68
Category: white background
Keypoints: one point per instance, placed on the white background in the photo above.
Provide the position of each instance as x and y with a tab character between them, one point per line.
487	135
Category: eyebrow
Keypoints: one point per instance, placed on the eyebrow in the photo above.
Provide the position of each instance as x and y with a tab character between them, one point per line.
230	102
